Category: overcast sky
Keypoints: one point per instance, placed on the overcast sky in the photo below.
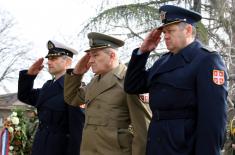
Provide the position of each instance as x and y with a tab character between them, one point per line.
40	20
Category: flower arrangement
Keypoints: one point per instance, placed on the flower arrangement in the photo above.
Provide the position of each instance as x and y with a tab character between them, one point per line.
22	126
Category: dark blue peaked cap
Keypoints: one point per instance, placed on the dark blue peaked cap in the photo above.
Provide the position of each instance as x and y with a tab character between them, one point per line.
171	14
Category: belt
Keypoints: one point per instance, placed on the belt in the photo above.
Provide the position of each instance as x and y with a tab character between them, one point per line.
106	122
174	114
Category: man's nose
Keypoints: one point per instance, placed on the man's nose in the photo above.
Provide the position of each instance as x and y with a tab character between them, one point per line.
91	60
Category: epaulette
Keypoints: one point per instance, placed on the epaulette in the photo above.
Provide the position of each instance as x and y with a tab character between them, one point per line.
208	49
120	72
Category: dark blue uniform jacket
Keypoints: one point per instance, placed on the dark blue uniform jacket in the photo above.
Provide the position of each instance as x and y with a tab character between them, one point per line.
60	125
189	108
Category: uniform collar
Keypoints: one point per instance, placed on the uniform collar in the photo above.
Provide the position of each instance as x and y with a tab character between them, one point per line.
98	86
61	81
189	52
171	62
119	71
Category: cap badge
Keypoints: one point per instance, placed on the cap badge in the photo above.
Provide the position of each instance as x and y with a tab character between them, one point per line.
218	77
50	45
163	15
91	42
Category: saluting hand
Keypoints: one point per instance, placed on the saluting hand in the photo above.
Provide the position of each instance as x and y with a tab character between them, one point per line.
83	65
36	67
151	41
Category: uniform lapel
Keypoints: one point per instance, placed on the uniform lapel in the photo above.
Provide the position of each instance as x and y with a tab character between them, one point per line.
50	89
100	85
174	62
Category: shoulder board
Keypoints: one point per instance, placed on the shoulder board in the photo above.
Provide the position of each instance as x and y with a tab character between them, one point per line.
120	71
208	49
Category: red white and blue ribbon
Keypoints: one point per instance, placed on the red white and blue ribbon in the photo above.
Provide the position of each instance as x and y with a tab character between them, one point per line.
4	142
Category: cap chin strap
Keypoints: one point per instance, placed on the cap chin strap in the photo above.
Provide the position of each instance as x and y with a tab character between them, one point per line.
59	52
166	21
100	45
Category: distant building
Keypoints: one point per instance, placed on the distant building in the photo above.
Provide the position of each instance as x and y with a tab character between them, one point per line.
7	103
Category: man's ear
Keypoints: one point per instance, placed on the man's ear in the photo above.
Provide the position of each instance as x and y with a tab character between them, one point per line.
68	62
189	29
112	55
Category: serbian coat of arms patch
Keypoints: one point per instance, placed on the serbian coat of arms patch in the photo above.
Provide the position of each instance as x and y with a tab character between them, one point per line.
218	77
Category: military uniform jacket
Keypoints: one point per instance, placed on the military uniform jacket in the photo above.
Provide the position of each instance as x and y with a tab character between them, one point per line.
187	98
57	121
108	115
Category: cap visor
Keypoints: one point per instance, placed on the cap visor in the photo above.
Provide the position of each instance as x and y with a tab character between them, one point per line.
94	48
162	26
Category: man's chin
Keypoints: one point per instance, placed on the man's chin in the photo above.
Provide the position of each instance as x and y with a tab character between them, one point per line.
93	70
168	47
51	72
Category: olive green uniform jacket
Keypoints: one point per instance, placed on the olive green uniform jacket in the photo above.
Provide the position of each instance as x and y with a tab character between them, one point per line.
116	123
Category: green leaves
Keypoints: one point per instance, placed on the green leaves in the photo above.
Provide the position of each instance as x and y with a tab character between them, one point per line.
22	132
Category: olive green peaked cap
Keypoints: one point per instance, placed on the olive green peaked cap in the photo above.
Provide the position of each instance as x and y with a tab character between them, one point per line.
99	40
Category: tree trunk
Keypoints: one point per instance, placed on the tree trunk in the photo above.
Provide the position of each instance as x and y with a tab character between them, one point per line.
232	63
197	5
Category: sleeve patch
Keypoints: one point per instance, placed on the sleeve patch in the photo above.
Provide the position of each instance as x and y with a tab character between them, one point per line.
144	97
218	77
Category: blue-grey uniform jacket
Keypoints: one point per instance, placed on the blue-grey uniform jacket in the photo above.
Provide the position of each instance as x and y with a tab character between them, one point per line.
57	121
188	94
